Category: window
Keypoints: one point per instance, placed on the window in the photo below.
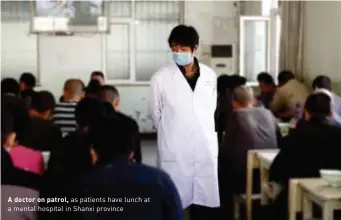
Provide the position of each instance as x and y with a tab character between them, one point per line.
137	44
19	50
268	5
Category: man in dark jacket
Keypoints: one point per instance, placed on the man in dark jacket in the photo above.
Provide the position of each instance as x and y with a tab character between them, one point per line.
41	134
247	128
111	95
313	145
117	188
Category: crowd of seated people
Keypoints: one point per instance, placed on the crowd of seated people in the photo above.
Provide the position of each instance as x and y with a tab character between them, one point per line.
83	132
95	150
245	123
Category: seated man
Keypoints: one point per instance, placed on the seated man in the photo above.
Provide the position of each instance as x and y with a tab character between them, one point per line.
248	128
324	84
41	134
110	94
267	88
312	146
119	189
64	112
289	94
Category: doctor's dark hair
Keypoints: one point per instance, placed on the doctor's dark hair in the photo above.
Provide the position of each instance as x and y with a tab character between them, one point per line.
322	82
318	105
184	35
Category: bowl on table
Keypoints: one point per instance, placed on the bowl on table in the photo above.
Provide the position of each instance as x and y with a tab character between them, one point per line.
284	127
332	177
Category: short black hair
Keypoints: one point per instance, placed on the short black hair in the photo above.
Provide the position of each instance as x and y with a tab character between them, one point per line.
266	78
322	82
88	111
112	91
43	101
97	73
10	86
93	88
237	81
112	136
184	35
318	105
29	79
284	76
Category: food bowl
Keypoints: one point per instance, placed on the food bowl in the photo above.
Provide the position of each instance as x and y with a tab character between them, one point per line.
332	177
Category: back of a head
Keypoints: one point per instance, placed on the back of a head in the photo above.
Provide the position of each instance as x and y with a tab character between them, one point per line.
28	79
266	78
112	136
237	81
43	101
93	88
108	93
322	82
97	73
73	87
184	35
243	95
10	86
284	76
88	111
318	105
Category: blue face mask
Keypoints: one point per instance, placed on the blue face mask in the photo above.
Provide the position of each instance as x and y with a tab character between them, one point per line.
182	58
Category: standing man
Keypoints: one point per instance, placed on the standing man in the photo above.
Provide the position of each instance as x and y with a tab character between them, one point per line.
182	102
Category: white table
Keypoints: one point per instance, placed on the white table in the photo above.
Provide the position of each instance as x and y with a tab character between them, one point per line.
316	190
265	158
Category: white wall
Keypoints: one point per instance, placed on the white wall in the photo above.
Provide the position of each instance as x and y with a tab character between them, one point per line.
322	35
65	57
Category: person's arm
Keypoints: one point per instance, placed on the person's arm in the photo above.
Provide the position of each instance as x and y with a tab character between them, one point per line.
278	102
171	202
155	100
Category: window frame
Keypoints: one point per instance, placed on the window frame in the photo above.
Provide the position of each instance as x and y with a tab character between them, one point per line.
242	46
132	22
27	21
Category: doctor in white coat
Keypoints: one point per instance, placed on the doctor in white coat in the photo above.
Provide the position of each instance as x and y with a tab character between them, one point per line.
182	102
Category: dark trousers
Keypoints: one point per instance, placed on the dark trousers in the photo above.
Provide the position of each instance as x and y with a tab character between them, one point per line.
198	212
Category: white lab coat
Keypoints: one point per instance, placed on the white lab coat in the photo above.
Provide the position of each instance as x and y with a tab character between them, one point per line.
186	137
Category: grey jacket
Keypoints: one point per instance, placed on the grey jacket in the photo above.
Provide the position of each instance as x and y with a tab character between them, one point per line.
251	128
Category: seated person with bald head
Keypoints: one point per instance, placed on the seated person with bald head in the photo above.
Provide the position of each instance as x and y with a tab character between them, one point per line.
110	94
248	128
64	112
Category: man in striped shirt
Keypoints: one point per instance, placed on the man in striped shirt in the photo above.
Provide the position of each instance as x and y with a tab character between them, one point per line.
64	112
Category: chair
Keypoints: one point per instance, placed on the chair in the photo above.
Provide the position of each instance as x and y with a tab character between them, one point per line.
252	163
295	203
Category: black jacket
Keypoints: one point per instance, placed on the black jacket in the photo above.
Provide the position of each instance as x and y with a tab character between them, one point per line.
312	146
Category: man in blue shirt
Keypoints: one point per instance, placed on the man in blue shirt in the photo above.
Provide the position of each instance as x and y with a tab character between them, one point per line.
116	188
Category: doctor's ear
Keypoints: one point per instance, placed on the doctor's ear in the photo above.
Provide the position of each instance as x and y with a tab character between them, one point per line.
195	49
